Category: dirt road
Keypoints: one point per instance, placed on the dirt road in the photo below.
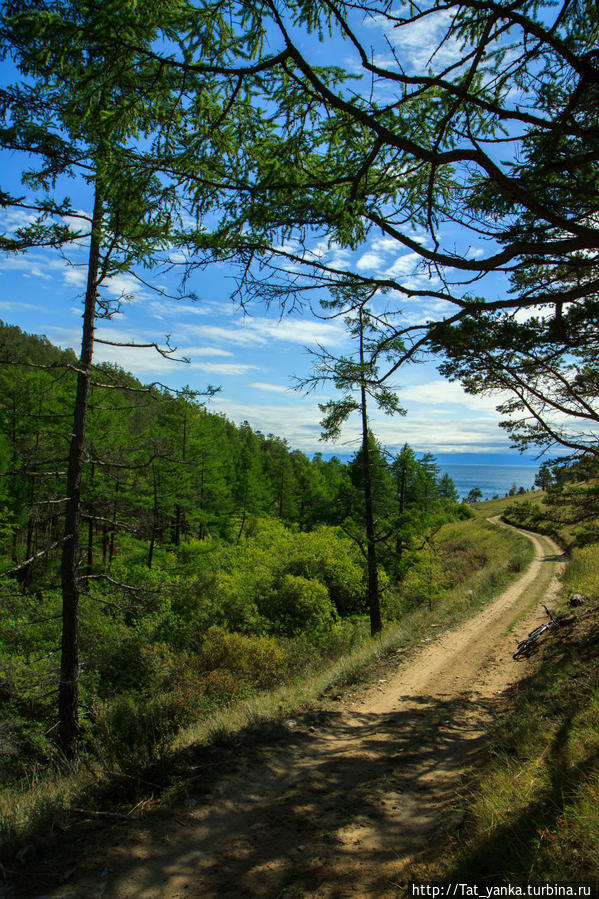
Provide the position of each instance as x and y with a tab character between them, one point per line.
340	806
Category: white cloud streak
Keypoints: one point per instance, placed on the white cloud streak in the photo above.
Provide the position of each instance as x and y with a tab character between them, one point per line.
261	331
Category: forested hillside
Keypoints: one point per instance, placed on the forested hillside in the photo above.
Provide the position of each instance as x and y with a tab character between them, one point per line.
214	560
161	468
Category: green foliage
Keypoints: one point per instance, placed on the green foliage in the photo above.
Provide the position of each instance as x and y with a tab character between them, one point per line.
253	576
327	556
298	604
569	506
474	495
136	733
280	573
133	730
524	514
258	661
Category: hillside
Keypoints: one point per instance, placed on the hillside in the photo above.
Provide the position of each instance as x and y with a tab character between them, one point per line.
346	792
223	593
215	564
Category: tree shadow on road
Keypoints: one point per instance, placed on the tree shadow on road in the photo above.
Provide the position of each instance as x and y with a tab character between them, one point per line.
331	807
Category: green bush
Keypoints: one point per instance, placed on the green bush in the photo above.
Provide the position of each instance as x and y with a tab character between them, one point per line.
249	576
328	556
131	665
236	593
296	604
258	661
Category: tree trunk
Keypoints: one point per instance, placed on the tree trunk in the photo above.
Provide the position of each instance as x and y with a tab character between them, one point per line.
179	510
402	502
281	490
374	606
68	713
90	528
105	544
14	554
242	525
113	529
154	521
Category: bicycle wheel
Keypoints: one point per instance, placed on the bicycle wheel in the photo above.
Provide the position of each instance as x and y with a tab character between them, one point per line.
524	648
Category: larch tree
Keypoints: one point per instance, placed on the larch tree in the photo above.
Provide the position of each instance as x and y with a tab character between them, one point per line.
95	102
358	377
461	135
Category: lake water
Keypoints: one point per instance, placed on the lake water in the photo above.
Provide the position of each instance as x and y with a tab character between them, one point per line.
493	480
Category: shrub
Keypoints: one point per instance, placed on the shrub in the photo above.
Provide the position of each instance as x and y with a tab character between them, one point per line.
298	604
328	556
130	665
259	661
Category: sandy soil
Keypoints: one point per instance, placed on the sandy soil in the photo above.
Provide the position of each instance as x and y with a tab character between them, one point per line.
342	806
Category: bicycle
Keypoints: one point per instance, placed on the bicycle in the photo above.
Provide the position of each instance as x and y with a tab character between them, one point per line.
526	646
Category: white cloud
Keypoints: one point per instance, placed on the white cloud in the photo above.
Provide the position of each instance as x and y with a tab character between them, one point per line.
407	264
124	284
452	434
226	369
29	265
178	257
384	61
11	219
298	423
340	260
420	43
422	428
448	394
76	276
17	306
146	362
207	351
384	244
369	262
260	331
174	308
271	388
292	248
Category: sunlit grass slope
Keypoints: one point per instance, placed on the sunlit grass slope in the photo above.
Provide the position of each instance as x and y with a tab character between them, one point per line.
533	812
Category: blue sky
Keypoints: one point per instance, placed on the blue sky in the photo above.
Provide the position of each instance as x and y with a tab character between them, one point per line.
253	357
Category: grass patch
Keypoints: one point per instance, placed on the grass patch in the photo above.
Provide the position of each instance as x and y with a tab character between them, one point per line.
582	575
491	507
